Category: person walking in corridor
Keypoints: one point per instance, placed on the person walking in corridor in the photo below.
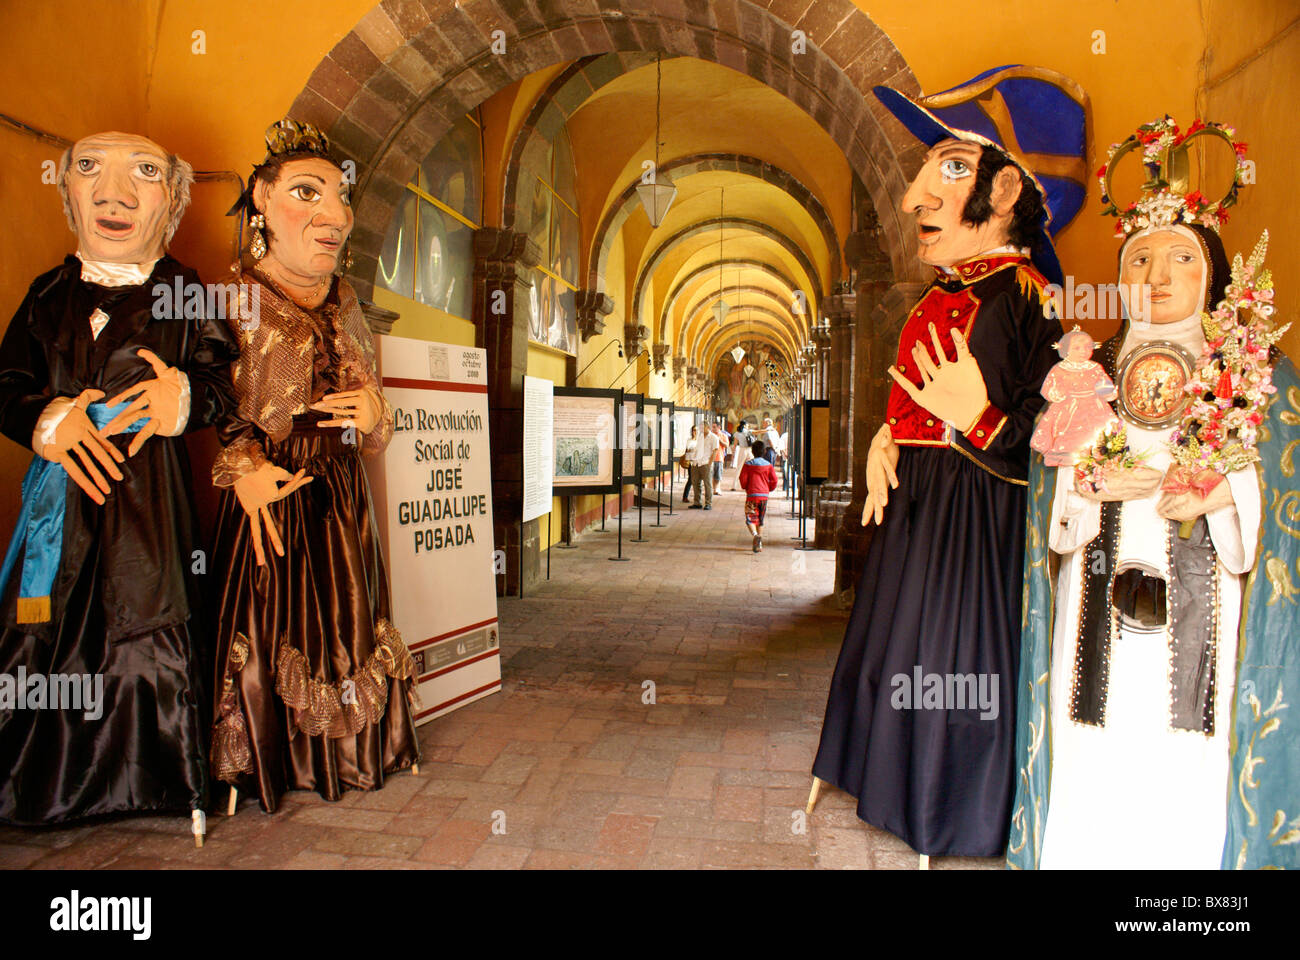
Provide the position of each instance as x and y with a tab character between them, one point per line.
701	461
723	438
758	479
685	463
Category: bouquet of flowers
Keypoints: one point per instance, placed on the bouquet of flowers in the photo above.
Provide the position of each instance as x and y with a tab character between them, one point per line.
1109	452
1231	386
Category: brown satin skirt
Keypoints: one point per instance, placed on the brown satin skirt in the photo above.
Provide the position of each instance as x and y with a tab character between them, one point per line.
314	686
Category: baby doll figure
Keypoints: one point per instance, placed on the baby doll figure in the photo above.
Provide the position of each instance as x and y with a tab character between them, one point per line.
1077	390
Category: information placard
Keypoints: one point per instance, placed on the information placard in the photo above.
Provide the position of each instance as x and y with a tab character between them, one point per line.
631	431
683	419
433	490
816	440
587	441
650	452
665	436
539	433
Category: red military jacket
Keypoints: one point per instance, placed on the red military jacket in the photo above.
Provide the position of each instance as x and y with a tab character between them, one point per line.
998	303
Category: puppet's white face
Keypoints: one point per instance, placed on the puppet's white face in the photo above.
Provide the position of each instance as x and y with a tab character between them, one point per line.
1080	348
120	197
938	196
308	216
1168	268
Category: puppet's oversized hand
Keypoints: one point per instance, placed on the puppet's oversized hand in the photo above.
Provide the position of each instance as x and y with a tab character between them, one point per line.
158	399
1189	504
77	434
953	390
882	463
1120	484
352	408
256	491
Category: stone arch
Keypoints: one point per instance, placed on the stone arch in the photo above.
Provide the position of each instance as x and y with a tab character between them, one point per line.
795	251
628	201
748	262
698	321
706	339
559	101
394	85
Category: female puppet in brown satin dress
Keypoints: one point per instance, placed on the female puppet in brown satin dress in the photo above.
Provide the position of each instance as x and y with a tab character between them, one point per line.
314	684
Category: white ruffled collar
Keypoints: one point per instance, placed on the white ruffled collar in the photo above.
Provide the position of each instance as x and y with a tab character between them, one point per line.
107	273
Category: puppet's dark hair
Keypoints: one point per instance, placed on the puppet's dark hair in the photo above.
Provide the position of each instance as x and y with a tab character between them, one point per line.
1026	215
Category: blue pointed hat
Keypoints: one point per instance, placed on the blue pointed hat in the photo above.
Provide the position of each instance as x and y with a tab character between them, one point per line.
1036	116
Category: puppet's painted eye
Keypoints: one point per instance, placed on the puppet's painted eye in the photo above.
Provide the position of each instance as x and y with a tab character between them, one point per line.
86	164
952	170
149	171
304	191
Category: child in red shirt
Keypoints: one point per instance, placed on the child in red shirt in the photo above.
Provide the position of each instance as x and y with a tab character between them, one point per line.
758	477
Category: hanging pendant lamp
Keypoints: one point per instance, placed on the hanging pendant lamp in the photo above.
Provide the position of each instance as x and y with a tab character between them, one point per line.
721	308
657	195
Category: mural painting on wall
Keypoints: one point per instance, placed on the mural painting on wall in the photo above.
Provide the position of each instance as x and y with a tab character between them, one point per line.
553	318
749	388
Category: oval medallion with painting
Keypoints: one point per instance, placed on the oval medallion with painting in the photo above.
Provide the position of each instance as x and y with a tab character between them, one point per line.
1151	380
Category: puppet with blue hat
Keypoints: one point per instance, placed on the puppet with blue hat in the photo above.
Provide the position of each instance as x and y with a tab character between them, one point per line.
920	723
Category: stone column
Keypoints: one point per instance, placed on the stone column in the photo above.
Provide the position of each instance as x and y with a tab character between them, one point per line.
503	261
834	496
882	307
823	361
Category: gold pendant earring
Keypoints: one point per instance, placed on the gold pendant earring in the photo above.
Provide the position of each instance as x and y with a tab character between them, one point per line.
257	246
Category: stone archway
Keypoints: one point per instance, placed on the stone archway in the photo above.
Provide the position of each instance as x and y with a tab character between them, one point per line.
670	303
397	82
710	226
394	85
627	202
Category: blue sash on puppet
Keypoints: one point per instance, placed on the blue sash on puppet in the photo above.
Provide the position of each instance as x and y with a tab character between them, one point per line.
40	525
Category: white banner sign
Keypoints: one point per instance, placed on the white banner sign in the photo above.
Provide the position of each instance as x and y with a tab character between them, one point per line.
539	439
433	491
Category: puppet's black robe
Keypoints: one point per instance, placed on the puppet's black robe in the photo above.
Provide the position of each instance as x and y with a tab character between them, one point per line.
938	602
126	602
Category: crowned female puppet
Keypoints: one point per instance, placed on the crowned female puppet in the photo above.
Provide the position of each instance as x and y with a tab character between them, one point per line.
315	687
919	726
99	376
1154	726
1077	390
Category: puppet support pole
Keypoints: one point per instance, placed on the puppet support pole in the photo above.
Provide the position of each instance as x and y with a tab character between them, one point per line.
812	795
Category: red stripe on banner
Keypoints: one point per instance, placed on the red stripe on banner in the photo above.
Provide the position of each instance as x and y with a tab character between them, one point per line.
451	633
457	666
463	696
435	385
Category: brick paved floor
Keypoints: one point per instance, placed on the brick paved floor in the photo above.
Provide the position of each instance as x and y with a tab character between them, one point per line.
567	766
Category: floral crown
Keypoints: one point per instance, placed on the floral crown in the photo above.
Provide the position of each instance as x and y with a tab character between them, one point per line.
1166	195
